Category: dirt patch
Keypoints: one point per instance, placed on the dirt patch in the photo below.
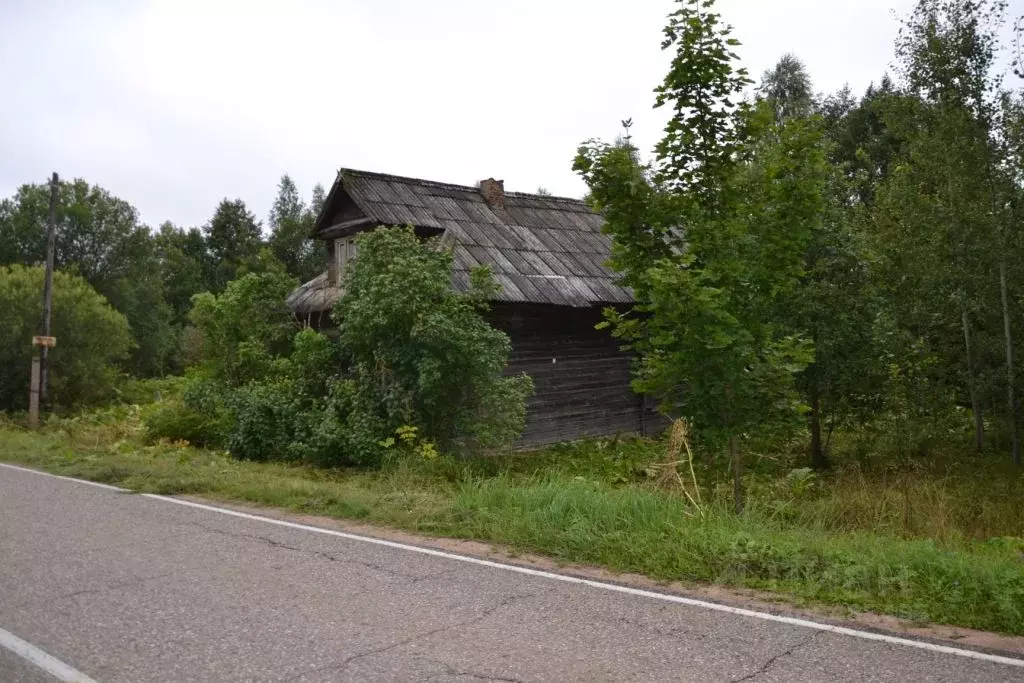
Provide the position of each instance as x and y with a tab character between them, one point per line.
735	597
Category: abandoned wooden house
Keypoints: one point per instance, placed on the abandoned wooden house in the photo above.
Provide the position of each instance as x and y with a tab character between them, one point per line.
547	253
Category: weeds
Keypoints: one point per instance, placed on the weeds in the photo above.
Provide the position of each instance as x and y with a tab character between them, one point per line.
668	470
937	542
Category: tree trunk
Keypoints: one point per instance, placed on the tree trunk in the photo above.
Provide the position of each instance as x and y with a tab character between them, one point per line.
737	474
819	460
1011	391
972	386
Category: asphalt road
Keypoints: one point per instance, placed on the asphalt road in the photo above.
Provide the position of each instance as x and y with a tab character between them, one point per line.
124	587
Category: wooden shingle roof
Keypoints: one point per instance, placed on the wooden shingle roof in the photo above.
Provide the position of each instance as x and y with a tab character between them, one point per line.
541	249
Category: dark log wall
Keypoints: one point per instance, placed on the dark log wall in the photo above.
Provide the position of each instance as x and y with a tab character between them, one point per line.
346	211
581	378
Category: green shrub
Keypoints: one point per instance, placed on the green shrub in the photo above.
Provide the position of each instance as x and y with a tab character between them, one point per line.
134	391
421	353
263	420
273	417
245	328
93	339
329	437
412	354
172	419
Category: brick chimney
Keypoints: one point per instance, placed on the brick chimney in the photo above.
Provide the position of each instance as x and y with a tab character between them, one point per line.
493	192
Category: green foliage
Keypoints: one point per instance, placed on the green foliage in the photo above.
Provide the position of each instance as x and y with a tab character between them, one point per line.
317	201
234	240
713	238
291	224
899	265
175	421
93	339
787	88
413	358
246	327
864	145
271	418
135	391
100	238
703	86
944	223
98	233
185	266
708	345
149	276
421	354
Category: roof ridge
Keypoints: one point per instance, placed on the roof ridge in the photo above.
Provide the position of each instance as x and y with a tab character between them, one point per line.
454	186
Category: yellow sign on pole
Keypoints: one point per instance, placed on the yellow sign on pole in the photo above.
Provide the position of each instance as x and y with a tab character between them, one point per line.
49	342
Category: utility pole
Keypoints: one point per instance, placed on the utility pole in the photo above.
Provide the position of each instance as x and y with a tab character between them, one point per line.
51	246
39	379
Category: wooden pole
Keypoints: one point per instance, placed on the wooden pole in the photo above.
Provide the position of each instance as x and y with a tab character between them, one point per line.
51	245
33	393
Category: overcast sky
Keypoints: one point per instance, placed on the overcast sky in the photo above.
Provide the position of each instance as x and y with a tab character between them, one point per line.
173	105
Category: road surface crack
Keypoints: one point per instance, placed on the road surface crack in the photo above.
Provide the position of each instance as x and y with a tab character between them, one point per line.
435	575
774	658
330	557
345	663
110	588
452	671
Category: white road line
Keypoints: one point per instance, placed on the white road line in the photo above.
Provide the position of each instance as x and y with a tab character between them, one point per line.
47	663
639	592
71	479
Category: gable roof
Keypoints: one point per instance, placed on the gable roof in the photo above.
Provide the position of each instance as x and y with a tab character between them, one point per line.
541	249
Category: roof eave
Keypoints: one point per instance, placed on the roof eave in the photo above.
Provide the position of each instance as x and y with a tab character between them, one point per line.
338	186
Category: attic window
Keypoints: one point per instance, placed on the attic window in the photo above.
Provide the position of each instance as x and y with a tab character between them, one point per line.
345	250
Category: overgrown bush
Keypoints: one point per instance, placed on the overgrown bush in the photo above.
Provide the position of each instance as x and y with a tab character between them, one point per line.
416	369
174	420
421	353
245	328
93	339
135	391
270	418
239	338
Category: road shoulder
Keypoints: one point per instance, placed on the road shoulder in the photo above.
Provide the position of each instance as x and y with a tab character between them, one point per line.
982	641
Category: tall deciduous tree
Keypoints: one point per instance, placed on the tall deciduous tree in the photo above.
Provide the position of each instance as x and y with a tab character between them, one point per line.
711	236
863	144
787	88
834	303
94	338
234	240
99	237
316	202
185	264
943	221
291	223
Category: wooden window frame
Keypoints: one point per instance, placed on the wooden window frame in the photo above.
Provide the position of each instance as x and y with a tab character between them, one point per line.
345	250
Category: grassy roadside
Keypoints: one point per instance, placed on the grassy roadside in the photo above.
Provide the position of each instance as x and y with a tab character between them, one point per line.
591	504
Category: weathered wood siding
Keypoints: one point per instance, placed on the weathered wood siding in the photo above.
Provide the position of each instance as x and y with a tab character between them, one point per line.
581	378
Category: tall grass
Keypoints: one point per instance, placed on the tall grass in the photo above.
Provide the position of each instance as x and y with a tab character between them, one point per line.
935	538
974	584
